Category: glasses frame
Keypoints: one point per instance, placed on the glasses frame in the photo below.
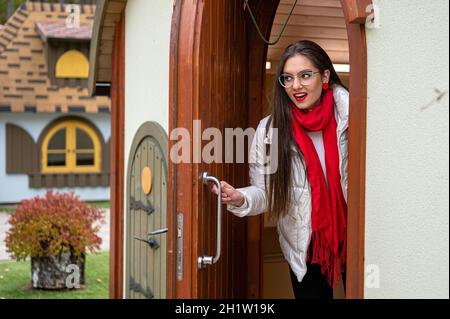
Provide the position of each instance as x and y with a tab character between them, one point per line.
296	76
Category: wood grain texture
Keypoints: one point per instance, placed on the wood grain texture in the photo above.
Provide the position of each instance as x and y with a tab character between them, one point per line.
21	151
357	152
211	86
356	10
205	84
321	21
107	15
117	163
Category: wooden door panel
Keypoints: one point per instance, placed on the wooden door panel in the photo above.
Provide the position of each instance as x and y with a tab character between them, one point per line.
209	83
146	266
222	104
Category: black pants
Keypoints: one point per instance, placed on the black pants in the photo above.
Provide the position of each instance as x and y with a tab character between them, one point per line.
314	285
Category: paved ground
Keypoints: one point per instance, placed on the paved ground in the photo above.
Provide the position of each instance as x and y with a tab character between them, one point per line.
4	226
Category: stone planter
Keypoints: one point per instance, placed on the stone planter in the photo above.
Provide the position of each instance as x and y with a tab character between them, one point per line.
57	272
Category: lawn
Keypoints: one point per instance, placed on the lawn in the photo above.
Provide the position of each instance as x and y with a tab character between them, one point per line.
99	204
15	280
7	208
103	204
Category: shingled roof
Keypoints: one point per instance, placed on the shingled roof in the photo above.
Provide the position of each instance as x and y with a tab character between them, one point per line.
55	30
24	82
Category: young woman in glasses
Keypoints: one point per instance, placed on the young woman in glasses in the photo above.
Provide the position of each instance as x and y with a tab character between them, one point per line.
307	192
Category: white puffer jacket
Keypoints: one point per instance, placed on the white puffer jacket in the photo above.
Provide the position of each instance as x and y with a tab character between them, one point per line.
294	229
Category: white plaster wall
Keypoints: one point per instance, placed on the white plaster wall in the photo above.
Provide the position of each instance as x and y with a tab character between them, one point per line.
147	49
14	188
407	184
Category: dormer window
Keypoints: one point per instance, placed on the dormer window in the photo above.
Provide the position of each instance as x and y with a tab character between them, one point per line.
67	50
72	64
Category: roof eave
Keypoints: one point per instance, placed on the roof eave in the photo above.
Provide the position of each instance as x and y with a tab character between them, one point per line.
107	15
97	29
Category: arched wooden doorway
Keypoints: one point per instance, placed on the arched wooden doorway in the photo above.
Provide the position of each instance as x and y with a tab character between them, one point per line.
217	76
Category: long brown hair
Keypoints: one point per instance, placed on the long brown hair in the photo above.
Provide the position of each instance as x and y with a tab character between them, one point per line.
279	193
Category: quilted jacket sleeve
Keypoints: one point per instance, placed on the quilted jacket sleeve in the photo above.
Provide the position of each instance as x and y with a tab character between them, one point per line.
255	195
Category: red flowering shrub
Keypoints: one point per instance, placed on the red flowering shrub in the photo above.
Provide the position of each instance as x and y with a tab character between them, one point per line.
50	225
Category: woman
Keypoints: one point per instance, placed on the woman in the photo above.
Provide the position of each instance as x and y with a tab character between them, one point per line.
307	193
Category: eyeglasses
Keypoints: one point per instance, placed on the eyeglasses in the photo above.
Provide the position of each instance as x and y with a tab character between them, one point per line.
305	78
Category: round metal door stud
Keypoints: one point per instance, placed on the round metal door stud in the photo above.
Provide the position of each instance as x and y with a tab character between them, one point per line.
146	180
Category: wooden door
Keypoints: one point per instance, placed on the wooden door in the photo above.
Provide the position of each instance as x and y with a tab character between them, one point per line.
146	219
184	179
209	79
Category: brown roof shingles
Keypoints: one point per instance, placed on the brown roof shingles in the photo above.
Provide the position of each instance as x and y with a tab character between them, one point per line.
24	82
55	30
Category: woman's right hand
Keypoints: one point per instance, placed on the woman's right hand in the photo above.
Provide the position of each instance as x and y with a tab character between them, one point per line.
230	195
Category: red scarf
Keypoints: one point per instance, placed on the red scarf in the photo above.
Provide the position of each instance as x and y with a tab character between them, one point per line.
329	209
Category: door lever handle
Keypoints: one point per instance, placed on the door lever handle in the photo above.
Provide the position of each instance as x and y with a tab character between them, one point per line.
203	261
158	232
152	242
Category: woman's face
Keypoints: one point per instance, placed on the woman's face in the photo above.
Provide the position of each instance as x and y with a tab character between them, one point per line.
304	82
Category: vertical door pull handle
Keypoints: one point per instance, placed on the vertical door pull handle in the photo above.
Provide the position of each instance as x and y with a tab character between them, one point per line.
203	261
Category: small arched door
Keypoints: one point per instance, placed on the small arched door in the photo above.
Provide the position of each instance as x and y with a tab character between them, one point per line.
146	215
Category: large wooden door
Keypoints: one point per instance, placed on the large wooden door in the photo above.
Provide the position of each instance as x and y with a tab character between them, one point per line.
209	79
217	76
188	30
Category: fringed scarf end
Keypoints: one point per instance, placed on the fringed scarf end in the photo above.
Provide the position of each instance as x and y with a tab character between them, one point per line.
332	265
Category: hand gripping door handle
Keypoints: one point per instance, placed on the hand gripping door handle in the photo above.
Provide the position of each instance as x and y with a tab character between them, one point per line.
203	261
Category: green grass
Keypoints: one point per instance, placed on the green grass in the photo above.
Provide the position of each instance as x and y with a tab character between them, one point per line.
11	208
7	208
104	204
15	278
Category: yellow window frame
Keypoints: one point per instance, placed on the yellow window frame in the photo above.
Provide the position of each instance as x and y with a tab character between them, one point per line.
70	151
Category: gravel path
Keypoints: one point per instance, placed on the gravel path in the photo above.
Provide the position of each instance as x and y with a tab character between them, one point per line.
4	226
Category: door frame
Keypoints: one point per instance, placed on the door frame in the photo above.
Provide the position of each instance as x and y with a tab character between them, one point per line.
355	12
117	162
185	27
181	79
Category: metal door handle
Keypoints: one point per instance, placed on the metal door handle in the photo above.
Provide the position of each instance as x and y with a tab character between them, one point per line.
158	232
152	242
203	261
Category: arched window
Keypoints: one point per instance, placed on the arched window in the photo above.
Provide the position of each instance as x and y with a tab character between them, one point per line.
72	64
71	147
